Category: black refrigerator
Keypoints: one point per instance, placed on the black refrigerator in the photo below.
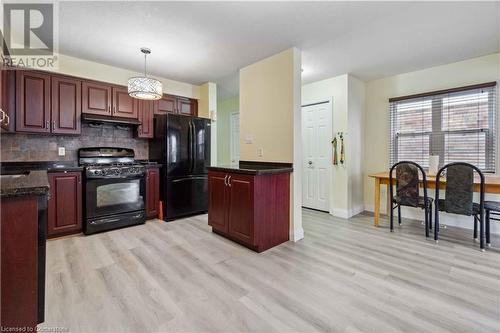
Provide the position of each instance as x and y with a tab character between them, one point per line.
182	145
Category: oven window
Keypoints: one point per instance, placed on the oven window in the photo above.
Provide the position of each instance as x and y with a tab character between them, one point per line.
118	193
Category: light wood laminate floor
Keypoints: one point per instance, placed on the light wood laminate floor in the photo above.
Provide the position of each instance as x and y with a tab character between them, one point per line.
345	276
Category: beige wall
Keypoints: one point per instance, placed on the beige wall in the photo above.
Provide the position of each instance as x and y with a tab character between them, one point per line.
376	156
96	71
266	109
224	110
270	116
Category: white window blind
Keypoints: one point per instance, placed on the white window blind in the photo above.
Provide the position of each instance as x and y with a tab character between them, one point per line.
456	124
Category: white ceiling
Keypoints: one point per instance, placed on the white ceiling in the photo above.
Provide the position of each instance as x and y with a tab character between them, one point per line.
198	42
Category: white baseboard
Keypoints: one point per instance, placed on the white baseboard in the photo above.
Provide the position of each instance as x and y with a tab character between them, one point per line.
346	214
297	234
356	210
342	213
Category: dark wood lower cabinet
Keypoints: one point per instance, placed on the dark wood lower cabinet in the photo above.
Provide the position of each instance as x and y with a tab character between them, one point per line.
253	210
64	214
152	192
19	264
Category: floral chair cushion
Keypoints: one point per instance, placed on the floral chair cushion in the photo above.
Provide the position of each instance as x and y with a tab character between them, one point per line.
407	184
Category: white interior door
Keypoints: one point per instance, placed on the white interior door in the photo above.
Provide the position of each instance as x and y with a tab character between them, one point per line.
316	137
235	137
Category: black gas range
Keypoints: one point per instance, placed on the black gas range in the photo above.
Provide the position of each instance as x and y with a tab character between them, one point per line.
114	189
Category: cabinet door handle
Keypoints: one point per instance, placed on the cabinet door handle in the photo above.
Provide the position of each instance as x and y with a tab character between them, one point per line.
47	124
114	109
225	180
7	118
2	115
109	109
53	125
229	181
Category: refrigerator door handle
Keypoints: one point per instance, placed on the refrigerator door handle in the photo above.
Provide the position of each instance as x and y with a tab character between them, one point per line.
193	146
190	147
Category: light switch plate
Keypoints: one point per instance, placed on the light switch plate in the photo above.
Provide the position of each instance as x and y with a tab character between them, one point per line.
260	152
61	151
249	140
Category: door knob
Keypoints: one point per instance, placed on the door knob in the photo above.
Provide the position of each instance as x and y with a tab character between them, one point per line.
310	162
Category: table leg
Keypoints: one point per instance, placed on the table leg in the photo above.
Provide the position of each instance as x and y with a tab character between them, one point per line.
377	202
388	202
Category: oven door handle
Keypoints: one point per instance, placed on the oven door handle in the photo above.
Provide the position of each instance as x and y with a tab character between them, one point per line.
190	178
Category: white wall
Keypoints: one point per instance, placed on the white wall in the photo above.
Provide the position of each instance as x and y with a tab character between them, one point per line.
347	93
224	110
96	71
378	92
355	144
207	104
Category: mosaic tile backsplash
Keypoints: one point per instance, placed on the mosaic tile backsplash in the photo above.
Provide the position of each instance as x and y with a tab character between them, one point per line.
33	147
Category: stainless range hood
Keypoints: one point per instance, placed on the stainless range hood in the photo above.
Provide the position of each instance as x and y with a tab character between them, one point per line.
99	119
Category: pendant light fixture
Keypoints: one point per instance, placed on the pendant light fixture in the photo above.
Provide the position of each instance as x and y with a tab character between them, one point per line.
144	87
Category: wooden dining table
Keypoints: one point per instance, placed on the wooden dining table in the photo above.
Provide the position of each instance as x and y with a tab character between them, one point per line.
491	185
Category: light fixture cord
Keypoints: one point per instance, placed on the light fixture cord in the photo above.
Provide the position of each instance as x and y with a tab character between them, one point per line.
145	55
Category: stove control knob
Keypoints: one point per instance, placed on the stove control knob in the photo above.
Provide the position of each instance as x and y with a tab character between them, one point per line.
97	172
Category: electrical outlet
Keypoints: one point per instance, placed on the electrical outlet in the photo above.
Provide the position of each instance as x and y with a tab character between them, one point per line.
61	151
260	152
249	140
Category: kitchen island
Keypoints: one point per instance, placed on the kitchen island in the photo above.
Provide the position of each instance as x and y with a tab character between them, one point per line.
249	203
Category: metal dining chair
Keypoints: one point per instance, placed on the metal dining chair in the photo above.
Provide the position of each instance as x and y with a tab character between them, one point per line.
459	196
408	192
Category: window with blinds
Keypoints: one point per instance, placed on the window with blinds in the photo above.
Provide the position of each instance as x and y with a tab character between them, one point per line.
456	124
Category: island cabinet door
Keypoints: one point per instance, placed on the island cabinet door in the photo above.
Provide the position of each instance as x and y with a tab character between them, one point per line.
217	201
241	208
64	214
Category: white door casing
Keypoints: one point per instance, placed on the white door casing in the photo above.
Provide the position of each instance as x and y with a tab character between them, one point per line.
317	155
234	137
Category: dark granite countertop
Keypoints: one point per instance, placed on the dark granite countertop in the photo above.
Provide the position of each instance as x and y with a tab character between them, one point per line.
254	168
149	164
24	184
49	166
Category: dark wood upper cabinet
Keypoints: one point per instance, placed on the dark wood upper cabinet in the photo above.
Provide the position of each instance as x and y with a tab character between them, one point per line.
96	98
187	106
177	105
123	105
64	213
152	192
32	102
66	105
146	113
167	104
217	201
